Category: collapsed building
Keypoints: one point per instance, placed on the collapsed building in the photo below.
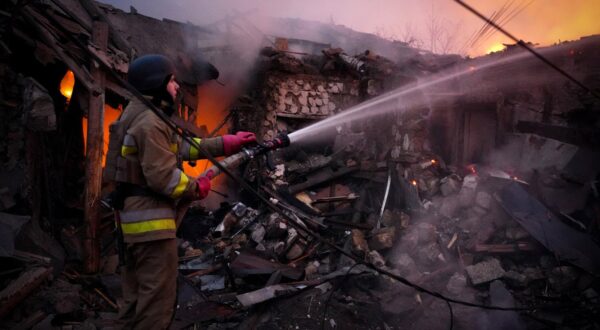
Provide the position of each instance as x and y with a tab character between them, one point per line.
476	179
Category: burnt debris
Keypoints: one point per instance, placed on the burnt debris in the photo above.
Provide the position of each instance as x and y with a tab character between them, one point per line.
483	190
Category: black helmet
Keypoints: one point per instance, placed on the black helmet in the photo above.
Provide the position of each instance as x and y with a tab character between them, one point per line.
149	73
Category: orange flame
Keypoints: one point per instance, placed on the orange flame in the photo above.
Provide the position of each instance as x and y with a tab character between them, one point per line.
213	106
472	168
66	85
110	114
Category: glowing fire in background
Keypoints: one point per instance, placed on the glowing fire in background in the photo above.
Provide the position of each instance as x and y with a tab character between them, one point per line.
543	22
67	84
212	109
472	169
110	114
497	47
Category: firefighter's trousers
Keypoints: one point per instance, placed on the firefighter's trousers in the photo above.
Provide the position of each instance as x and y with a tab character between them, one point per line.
149	284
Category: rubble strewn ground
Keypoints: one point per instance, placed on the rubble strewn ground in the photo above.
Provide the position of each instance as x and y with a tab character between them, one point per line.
479	199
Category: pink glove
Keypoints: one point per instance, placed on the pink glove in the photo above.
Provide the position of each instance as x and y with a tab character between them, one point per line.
234	143
203	183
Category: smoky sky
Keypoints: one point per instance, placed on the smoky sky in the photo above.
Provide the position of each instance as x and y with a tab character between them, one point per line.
543	22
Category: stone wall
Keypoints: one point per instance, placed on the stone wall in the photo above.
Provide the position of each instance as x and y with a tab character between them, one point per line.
291	98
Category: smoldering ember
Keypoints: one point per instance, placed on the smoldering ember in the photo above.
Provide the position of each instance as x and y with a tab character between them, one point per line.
362	181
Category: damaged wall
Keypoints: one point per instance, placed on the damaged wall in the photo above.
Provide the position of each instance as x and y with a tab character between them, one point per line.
508	99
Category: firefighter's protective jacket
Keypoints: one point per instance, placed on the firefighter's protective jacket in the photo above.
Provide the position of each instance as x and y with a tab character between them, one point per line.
148	158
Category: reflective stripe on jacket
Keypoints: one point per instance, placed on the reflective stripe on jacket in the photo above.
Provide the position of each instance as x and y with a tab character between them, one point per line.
151	149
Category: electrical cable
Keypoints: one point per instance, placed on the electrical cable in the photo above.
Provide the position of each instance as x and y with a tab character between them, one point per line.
451	315
188	137
529	49
333	291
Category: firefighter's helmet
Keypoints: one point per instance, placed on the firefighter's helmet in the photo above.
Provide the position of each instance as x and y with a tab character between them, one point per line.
149	73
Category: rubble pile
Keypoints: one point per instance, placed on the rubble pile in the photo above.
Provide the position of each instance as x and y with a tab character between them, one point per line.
445	229
451	230
393	192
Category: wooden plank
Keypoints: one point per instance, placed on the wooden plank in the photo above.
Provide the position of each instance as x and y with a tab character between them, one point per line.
82	75
30	257
93	163
21	288
300	116
32	320
505	248
566	242
115	37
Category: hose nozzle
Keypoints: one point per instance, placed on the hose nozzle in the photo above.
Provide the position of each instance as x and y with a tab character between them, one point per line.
282	140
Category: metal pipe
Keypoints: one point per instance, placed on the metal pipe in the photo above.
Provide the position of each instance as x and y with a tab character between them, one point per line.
385	197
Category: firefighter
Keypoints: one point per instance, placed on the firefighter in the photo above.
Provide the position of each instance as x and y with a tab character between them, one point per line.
143	162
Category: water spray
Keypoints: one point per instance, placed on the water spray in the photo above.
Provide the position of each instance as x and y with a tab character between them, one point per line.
379	105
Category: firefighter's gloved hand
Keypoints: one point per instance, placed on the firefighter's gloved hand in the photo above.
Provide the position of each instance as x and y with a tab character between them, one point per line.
234	143
203	183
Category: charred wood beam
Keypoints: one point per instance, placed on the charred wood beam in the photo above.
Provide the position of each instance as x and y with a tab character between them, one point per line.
93	163
73	16
32	320
346	224
334	199
321	176
82	75
584	137
97	14
27	40
22	287
115	37
506	248
300	116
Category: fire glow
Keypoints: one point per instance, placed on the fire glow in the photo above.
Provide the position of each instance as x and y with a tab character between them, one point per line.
213	104
497	47
67	84
472	169
110	115
212	109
